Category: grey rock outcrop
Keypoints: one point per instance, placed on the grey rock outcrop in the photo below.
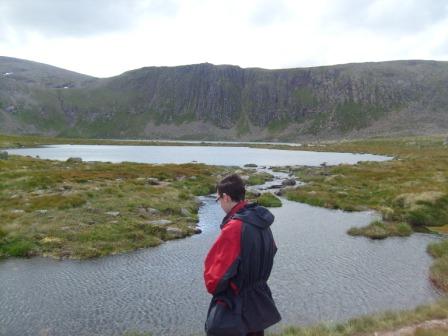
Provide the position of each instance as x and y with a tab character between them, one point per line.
350	100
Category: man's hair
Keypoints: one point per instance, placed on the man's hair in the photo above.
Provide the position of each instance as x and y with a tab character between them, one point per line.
233	186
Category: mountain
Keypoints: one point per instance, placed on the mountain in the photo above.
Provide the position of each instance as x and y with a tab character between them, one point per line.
205	101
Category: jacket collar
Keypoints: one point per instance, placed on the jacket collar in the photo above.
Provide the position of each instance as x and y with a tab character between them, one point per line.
237	207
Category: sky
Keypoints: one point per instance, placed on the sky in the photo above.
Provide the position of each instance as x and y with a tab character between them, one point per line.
105	38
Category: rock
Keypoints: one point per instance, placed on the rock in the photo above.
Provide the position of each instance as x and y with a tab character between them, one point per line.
3	155
254	191
275	186
42	211
148	212
193	177
17	211
185	212
153	211
175	232
160	222
74	159
289	182
446	142
113	213
197	230
250	165
152	181
282	191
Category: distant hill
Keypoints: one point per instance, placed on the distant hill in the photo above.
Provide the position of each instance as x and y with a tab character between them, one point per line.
205	101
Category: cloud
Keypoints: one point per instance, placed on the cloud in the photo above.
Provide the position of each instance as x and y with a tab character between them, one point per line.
267	12
105	38
393	16
80	18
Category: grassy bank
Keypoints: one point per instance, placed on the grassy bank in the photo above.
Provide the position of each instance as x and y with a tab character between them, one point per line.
82	210
377	323
408	191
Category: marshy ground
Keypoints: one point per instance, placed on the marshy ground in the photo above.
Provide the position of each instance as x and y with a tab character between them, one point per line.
78	209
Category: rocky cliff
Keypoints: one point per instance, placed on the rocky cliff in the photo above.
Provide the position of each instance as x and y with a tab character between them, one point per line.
205	101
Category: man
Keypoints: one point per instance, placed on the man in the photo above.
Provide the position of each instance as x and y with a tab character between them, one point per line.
238	266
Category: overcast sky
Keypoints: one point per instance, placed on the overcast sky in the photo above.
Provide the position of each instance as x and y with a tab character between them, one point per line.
107	37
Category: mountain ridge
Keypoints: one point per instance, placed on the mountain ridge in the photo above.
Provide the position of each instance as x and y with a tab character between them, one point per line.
227	102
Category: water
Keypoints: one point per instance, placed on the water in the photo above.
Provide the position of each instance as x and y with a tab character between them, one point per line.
320	274
212	155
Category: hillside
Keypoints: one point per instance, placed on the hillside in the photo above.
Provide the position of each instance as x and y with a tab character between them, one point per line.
205	101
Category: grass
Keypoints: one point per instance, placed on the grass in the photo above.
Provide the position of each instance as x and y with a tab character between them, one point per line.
411	189
381	230
385	321
268	200
82	210
85	209
438	272
259	178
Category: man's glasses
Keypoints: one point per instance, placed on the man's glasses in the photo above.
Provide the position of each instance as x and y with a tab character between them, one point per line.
218	198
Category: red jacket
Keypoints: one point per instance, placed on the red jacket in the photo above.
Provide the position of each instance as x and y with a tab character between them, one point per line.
239	264
224	253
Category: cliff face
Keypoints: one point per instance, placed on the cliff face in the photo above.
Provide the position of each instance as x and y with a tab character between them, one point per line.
205	101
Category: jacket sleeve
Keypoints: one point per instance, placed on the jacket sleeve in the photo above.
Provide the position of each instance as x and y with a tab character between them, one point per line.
221	263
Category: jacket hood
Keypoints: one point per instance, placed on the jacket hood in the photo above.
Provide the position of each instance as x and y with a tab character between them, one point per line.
256	215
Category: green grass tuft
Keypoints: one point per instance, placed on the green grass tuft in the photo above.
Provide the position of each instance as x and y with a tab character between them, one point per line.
269	200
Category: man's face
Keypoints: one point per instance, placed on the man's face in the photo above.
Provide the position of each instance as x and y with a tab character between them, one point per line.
225	202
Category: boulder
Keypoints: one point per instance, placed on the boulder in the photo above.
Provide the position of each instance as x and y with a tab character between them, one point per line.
42	211
152	181
175	232
197	230
254	191
289	182
3	155
250	165
281	192
162	222
147	212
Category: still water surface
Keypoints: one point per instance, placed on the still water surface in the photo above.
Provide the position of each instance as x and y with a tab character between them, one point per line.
213	155
320	274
